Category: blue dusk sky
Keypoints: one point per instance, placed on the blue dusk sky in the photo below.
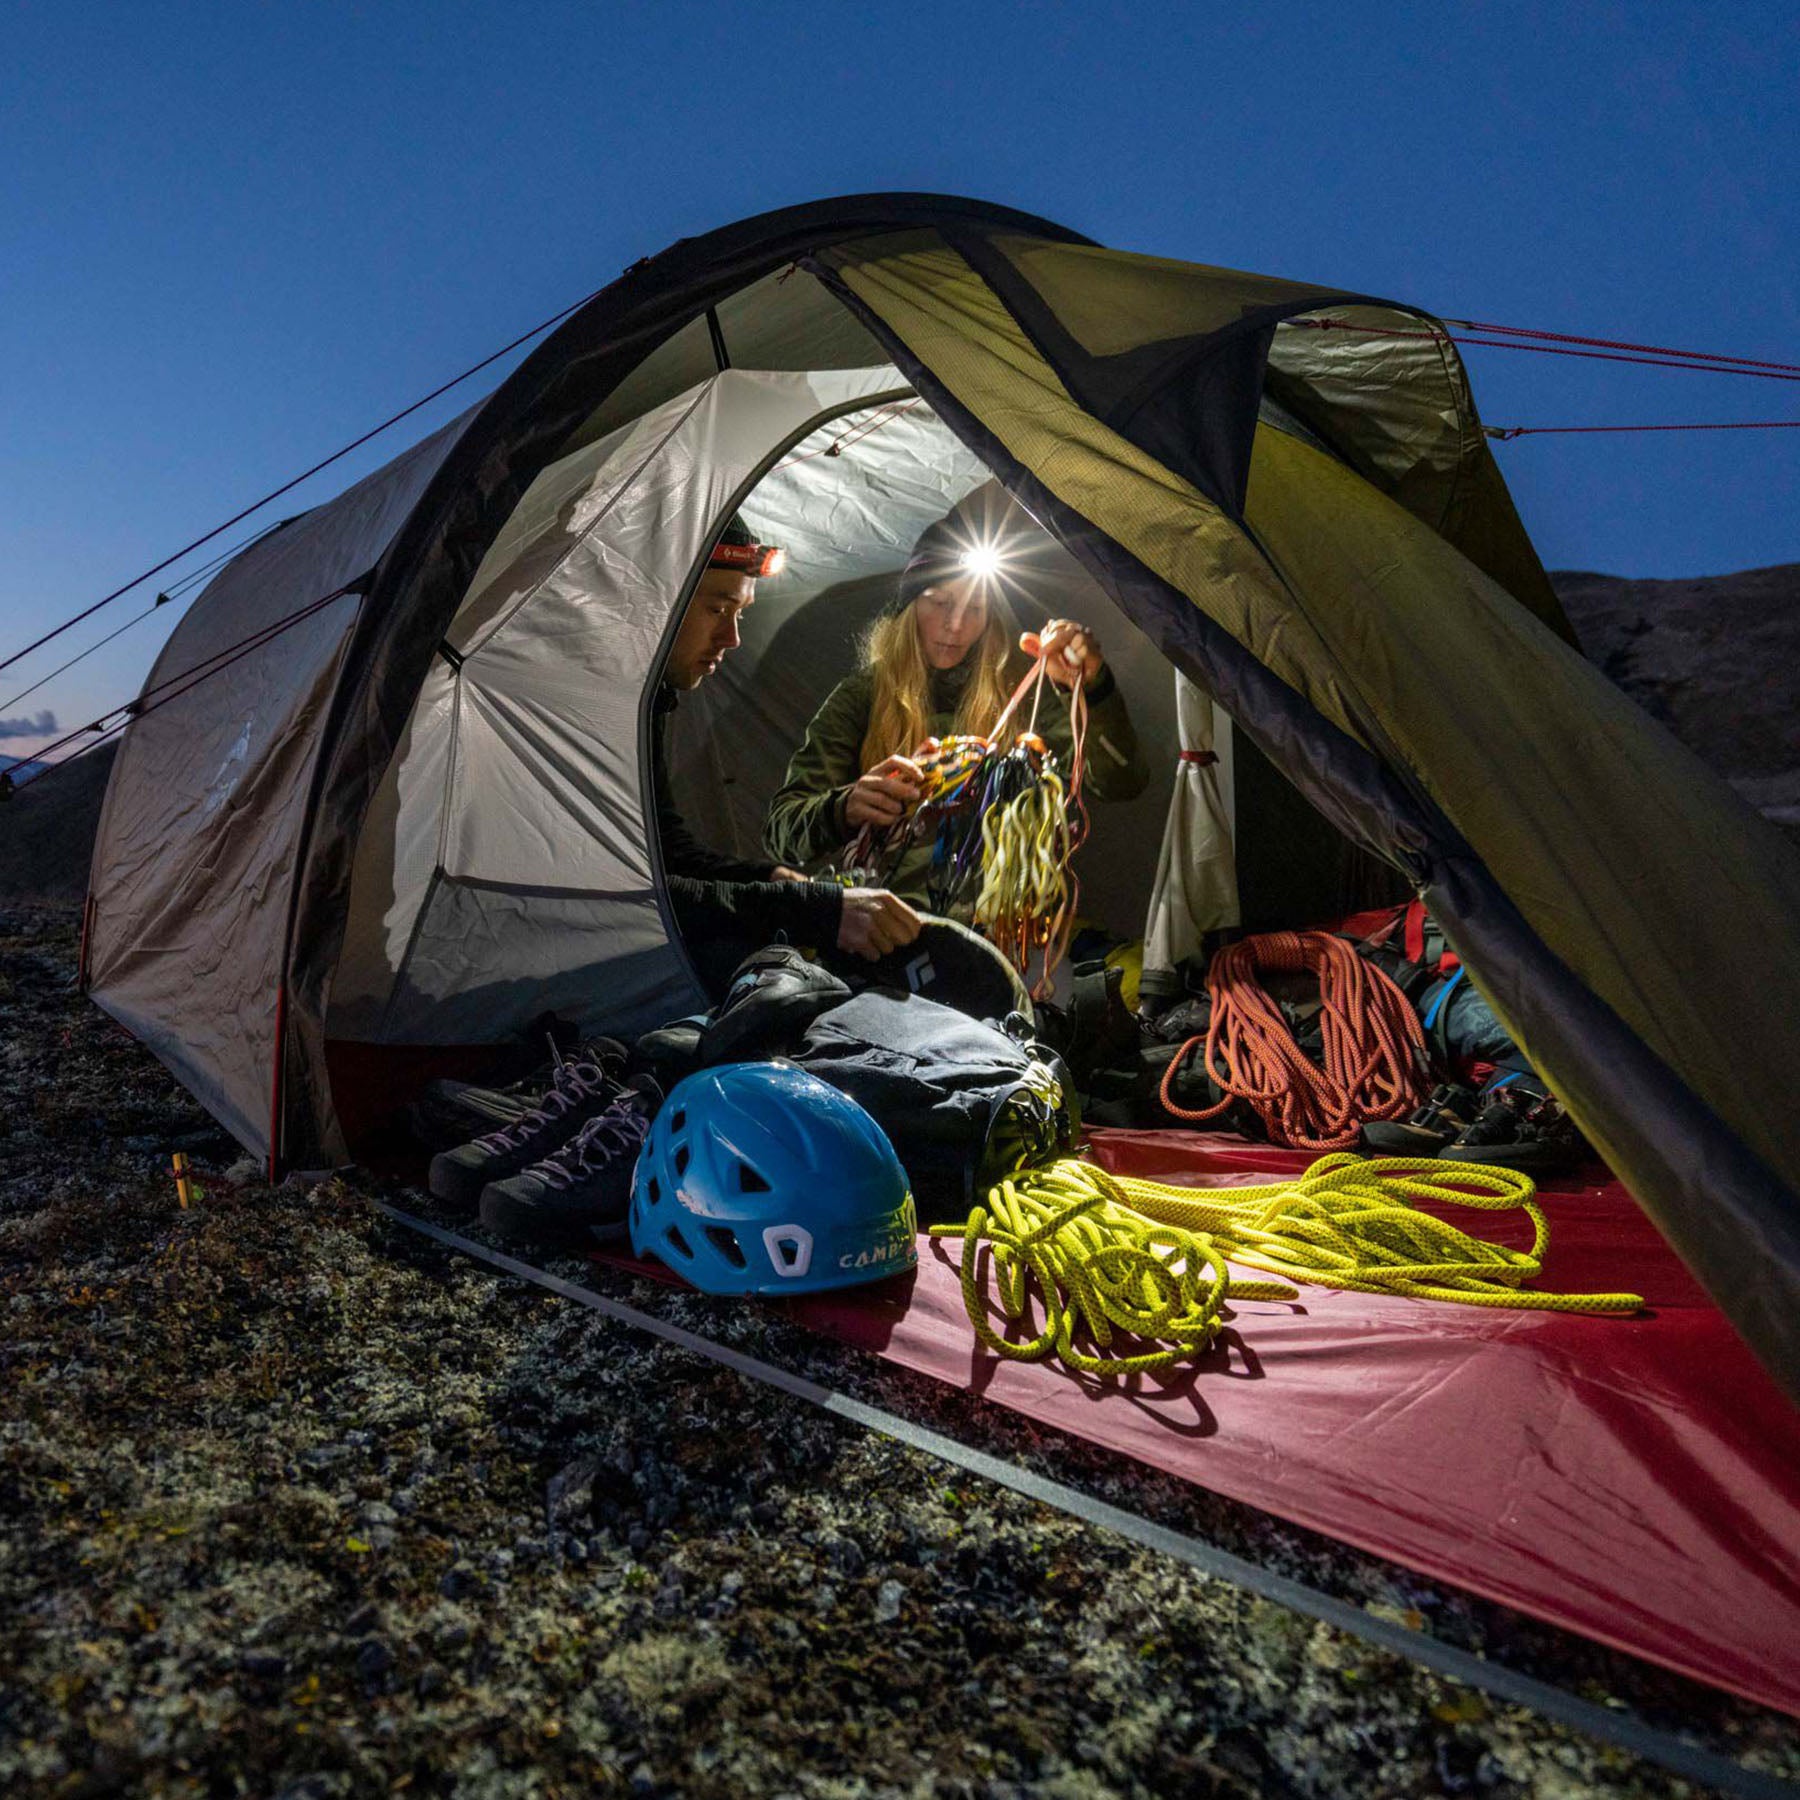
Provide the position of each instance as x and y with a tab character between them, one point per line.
232	237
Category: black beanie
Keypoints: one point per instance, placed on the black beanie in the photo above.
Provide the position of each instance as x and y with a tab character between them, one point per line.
939	555
736	531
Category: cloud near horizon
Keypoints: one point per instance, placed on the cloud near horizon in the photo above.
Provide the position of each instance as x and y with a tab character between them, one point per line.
44	725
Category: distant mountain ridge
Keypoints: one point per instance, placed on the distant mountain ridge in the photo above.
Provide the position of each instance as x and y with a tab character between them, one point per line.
1716	658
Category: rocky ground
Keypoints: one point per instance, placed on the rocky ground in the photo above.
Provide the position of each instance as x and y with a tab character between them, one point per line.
294	1503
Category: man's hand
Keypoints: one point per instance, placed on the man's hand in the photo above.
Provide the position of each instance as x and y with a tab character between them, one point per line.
875	922
882	796
1068	649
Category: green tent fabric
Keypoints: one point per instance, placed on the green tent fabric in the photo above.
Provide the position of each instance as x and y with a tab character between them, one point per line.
1631	920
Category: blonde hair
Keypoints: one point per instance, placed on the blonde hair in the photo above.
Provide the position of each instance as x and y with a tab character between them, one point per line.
900	704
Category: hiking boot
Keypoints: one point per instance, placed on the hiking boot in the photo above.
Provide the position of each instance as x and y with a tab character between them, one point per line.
579	1089
582	1192
1438	1123
1522	1126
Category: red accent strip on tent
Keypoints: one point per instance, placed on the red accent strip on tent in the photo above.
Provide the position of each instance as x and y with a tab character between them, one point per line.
1634	1480
275	1080
81	956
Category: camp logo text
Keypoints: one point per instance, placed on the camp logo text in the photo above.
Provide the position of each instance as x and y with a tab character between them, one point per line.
898	1247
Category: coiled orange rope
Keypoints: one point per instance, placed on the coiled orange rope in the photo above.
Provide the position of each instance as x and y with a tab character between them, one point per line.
1374	1046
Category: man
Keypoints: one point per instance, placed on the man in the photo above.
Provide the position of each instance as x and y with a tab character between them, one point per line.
727	906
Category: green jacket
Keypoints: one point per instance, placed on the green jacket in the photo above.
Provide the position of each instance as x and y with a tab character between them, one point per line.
806	818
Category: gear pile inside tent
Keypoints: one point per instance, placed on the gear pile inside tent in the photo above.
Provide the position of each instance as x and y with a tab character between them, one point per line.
1269	827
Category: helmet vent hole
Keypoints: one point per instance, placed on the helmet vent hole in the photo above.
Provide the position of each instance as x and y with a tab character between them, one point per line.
751	1181
725	1242
678	1118
676	1242
681	1159
655	1190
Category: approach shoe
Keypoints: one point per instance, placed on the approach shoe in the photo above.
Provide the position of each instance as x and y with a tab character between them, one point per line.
1523	1126
579	1088
1438	1123
582	1192
449	1112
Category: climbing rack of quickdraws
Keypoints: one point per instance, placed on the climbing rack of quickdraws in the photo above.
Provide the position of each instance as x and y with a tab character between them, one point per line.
1005	824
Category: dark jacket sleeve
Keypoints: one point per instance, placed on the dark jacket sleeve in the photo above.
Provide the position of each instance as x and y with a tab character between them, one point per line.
806	913
684	855
806	818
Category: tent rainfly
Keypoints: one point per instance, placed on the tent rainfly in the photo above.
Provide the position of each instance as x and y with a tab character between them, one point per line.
416	815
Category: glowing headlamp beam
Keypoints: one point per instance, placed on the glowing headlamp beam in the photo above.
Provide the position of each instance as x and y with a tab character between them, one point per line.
982	561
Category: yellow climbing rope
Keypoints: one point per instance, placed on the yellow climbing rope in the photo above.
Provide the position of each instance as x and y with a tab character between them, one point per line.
1110	1253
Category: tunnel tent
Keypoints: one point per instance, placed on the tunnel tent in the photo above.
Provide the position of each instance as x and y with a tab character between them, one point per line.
1284	487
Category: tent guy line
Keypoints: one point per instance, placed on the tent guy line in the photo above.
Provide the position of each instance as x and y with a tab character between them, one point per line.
1624	1730
305	475
220	660
175	591
1507	432
1564	337
1657	355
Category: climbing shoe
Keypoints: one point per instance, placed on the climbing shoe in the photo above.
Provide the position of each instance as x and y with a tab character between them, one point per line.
1522	1125
1438	1123
773	995
581	1193
579	1088
669	1053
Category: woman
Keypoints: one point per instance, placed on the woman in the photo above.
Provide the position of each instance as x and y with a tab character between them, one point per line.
940	661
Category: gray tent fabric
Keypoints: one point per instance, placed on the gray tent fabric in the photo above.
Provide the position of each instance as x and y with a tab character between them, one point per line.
195	853
513	874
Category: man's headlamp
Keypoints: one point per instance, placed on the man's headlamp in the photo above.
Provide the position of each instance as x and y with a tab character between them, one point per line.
755	560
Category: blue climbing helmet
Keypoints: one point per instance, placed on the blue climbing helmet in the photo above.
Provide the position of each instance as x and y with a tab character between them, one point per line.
758	1178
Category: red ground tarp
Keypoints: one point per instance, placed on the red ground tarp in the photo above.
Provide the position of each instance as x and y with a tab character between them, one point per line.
1636	1480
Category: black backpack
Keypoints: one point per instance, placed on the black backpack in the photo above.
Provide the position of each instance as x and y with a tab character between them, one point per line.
963	1101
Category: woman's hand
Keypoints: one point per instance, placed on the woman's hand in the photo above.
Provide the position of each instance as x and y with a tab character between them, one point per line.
874	922
1068	649
882	796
